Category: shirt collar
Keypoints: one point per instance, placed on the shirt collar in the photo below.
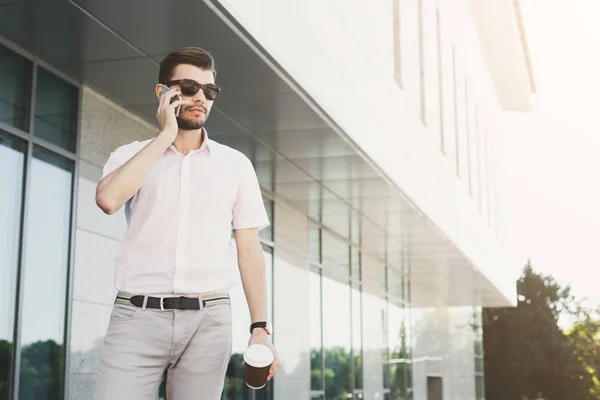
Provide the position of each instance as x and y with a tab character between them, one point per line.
205	143
204	146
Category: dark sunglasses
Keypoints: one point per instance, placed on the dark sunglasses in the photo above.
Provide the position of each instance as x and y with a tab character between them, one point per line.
190	88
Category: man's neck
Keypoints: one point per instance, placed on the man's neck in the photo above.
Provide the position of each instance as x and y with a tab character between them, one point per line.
187	141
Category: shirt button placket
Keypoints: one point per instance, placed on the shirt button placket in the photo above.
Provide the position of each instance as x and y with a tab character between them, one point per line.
182	227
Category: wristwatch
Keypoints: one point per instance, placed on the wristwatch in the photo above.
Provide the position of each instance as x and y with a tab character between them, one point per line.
261	324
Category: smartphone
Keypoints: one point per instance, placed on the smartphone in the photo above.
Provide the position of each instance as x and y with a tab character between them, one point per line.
164	89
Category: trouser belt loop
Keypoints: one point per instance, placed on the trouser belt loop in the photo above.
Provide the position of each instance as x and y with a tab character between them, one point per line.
145	302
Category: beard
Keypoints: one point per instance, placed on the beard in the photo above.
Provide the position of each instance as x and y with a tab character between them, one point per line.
191	124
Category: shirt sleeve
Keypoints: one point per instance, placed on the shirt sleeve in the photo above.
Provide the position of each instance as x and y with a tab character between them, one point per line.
112	164
249	208
119	157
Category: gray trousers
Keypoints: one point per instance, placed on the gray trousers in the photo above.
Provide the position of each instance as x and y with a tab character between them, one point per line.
192	347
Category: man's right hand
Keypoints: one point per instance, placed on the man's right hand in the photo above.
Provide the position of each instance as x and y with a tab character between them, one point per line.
166	112
121	184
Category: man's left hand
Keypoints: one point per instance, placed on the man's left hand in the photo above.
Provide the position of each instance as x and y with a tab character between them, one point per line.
259	336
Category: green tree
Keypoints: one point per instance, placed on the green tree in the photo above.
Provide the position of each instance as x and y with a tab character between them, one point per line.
584	338
398	364
525	351
235	383
41	375
337	373
5	364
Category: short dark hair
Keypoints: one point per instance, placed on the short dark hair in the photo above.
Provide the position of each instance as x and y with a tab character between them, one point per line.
185	55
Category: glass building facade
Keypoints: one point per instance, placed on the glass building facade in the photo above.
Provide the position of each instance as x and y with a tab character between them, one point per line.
38	158
342	317
38	145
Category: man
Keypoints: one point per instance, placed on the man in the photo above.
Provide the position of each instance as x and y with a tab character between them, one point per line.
183	194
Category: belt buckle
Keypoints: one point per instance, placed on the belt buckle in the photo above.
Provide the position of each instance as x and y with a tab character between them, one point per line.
162	304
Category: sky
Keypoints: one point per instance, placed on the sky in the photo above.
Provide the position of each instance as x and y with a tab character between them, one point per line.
552	184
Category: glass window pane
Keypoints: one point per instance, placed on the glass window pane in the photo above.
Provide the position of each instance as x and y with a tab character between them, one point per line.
383	277
314	244
480	387
397	350
12	163
46	265
355	228
408	345
264	164
235	385
56	106
478	347
336	339
357	346
478	364
268	254
336	215
385	346
15	97
395	282
336	257
316	354
355	264
267	233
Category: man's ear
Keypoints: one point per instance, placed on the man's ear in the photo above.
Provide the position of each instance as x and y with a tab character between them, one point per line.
158	90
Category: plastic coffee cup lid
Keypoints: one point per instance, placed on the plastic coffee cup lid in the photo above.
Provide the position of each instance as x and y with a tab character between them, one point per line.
258	356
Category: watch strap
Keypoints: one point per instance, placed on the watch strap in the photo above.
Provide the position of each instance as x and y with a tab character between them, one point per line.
258	324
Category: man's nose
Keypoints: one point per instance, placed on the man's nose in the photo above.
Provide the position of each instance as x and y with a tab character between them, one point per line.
199	97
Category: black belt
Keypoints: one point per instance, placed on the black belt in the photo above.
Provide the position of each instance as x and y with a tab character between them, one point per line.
173	303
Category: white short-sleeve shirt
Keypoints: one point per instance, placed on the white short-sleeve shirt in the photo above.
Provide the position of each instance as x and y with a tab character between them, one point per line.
179	223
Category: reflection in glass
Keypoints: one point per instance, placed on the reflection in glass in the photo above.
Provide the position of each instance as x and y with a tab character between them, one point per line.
46	265
479	364
315	326
336	215
12	163
267	233
263	159
355	227
395	283
235	385
406	293
385	342
336	256
409	336
383	277
315	209
56	107
314	244
356	272
480	387
15	96
397	350
336	339
264	171
397	328
357	345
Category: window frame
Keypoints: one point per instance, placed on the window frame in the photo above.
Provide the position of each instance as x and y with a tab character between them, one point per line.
31	142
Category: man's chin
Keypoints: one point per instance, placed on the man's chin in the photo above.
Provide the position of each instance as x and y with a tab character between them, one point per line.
189	124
